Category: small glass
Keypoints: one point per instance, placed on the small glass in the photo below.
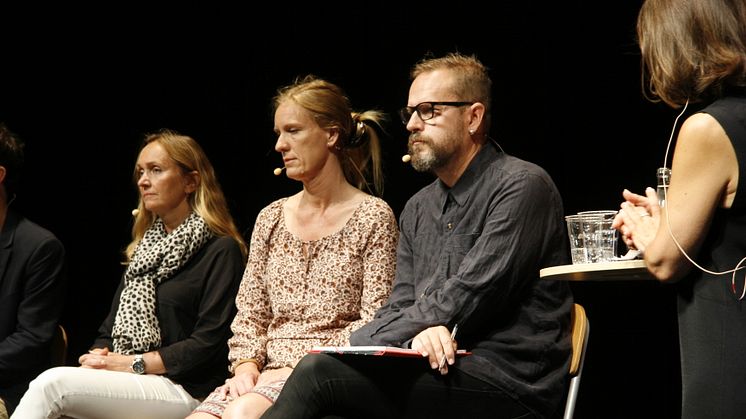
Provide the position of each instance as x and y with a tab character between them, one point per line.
592	238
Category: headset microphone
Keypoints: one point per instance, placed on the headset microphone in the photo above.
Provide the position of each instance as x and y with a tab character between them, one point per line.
406	158
135	212
278	171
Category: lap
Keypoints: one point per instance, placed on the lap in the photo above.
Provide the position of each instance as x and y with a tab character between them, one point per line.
84	392
407	386
261	396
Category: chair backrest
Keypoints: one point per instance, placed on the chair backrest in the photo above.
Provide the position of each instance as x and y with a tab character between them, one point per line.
580	331
58	352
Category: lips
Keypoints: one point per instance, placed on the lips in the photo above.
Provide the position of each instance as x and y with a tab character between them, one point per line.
414	140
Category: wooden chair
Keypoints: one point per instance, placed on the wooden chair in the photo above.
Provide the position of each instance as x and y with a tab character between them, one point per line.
58	353
580	333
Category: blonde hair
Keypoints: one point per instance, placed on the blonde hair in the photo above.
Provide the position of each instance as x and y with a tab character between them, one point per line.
207	200
471	80
692	49
359	145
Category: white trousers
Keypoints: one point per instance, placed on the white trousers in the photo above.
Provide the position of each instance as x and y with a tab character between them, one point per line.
84	393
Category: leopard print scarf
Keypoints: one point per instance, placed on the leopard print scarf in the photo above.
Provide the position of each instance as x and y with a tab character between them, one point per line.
158	257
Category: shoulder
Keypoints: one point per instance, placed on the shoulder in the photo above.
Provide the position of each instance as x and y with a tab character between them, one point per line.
30	228
425	194
374	213
509	172
702	131
269	216
223	245
509	165
31	235
376	206
272	211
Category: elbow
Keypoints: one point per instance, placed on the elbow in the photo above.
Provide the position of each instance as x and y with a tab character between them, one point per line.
663	270
662	274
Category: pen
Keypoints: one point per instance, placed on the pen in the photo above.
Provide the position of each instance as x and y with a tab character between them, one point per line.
453	336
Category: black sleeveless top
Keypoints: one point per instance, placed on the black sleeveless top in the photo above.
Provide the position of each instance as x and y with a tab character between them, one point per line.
712	320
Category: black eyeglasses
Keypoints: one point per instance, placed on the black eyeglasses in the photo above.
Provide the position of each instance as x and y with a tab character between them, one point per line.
425	110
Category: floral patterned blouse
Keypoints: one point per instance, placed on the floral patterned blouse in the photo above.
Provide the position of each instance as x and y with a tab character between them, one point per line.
288	303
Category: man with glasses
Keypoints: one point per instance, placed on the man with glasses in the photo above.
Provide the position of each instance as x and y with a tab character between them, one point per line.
471	247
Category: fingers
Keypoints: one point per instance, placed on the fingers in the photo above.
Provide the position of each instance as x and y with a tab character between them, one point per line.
653	206
436	343
238	385
93	361
449	353
632	197
224	390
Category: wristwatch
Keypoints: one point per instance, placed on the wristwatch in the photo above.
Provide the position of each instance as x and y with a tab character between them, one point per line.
138	364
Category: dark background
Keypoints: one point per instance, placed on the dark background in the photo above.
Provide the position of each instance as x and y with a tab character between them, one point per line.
83	86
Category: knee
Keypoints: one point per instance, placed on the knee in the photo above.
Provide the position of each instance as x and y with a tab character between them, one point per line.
235	409
315	364
49	379
245	407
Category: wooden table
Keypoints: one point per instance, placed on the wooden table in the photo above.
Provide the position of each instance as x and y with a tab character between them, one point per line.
602	271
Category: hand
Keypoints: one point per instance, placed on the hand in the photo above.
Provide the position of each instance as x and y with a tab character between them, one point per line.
102	359
639	219
240	384
434	343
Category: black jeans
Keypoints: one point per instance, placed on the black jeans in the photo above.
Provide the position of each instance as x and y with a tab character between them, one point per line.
362	387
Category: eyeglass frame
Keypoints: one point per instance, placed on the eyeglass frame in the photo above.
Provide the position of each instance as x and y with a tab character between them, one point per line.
406	113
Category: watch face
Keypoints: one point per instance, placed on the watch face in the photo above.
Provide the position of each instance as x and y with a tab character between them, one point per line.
138	365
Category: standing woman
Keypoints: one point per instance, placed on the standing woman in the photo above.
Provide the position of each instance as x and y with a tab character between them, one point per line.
322	261
695	52
162	347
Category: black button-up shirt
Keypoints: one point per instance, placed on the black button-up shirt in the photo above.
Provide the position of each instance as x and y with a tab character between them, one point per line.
470	255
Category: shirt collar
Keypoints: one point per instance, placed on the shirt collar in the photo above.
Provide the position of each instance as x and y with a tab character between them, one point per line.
461	191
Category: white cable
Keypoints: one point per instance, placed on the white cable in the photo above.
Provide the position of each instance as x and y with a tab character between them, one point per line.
668	219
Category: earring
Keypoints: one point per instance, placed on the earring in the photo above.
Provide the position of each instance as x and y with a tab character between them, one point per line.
471	132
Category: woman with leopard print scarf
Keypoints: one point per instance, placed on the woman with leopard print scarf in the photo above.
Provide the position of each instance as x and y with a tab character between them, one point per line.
163	346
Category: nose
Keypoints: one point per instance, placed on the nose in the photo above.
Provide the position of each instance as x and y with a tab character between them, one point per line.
281	145
415	123
143	180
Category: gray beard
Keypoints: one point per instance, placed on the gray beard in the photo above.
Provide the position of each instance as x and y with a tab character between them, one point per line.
427	161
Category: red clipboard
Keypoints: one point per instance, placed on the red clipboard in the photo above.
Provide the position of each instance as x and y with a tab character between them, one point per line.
374	351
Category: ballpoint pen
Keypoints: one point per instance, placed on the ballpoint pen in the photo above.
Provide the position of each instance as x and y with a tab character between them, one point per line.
453	336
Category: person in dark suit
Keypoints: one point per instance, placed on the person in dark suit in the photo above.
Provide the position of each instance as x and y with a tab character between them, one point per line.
32	277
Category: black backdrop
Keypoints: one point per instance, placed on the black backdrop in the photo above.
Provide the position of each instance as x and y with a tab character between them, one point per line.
82	86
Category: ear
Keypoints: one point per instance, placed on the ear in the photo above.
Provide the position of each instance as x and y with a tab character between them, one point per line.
192	181
2	174
476	116
332	137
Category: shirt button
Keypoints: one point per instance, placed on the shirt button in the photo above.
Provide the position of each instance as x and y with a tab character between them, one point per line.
450	226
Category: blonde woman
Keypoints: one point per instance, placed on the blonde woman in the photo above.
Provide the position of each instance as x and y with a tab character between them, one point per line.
162	347
322	261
